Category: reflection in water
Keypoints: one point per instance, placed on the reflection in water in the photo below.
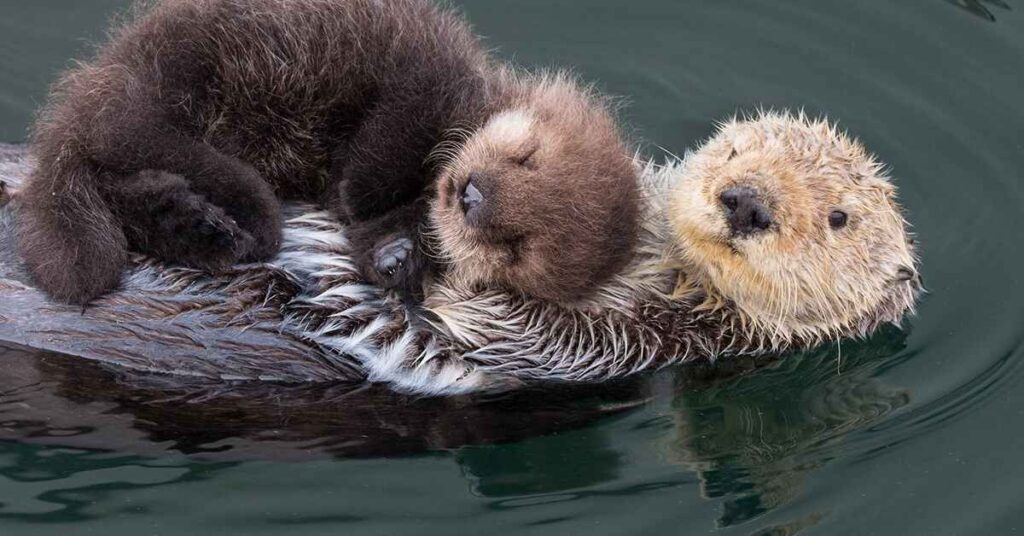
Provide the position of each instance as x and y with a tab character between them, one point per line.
62	485
752	440
750	430
543	465
65	401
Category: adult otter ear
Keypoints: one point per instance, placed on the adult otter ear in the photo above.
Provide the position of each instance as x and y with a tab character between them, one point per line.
906	273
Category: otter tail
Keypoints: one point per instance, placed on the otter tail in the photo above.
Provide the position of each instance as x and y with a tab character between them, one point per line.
69	238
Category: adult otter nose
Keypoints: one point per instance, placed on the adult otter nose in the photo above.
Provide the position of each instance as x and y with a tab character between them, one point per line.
471	198
745	213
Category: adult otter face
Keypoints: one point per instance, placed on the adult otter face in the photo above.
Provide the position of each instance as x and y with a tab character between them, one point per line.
543	198
798	226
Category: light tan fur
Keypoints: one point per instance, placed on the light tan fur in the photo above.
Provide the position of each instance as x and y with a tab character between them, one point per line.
803	280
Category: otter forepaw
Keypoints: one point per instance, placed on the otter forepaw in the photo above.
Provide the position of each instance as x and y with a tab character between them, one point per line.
399	264
391	257
394	262
220	239
388	253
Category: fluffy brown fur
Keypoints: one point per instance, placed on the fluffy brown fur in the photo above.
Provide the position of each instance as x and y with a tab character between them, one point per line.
703	286
559	215
178	137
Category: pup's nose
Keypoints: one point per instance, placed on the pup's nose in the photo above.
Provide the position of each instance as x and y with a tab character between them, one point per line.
745	213
471	198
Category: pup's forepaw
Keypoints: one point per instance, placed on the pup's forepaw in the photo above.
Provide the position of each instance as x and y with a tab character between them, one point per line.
392	256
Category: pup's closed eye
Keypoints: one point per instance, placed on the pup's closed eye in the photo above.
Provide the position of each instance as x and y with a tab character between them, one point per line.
524	158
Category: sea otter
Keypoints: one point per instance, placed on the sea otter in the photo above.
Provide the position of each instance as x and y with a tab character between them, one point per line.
177	139
780	232
714	276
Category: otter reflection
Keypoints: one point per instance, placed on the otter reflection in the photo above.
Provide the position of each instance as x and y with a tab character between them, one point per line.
750	429
67	401
752	440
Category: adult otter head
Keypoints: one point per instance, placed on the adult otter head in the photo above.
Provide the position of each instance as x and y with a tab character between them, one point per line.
543	198
797	226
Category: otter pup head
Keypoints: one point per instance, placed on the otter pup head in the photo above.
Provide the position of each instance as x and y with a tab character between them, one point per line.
543	198
797	226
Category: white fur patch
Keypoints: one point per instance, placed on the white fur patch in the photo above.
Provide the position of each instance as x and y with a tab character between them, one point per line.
511	126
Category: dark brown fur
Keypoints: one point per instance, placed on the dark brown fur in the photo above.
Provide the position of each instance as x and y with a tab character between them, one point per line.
176	139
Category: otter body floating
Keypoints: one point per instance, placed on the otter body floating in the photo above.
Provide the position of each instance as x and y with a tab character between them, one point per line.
768	269
175	321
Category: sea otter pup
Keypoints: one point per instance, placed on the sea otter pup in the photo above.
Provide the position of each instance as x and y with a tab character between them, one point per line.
176	139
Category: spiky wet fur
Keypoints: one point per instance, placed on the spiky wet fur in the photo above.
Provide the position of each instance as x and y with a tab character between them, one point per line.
801	279
650	315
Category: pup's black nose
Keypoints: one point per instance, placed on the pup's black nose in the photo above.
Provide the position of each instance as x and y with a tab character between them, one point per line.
744	211
471	197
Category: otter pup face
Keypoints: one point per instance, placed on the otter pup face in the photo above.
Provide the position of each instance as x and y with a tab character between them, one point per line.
797	225
543	198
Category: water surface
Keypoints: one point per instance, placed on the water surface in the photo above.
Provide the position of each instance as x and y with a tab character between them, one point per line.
911	432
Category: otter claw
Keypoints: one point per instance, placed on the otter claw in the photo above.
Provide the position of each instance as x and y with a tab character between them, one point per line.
391	256
221	234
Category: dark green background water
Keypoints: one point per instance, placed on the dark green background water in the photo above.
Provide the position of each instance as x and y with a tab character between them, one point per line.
915	432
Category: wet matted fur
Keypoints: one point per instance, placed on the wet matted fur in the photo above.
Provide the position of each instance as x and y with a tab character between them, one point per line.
322	321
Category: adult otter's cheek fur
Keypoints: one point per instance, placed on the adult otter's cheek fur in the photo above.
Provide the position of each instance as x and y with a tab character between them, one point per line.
543	198
797	226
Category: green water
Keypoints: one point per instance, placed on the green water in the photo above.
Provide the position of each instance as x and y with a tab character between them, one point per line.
913	432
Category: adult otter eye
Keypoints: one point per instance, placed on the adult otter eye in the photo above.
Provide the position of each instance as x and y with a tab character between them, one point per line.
837	219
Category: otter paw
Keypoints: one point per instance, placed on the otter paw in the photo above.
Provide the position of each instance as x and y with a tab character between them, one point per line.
389	258
206	238
217	232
